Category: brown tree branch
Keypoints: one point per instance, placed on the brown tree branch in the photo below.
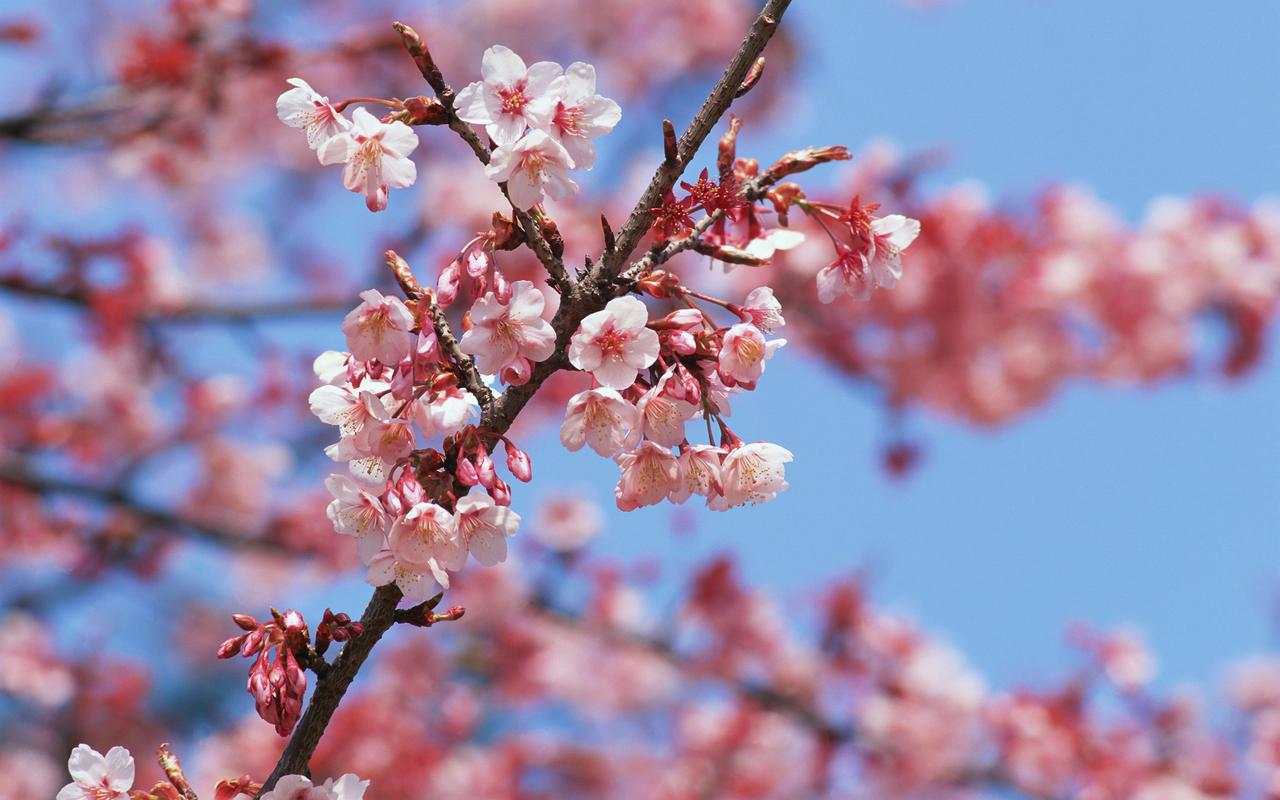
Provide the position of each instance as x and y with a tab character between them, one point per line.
19	475
193	312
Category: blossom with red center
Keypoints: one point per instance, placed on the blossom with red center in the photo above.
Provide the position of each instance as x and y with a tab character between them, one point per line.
743	353
98	777
672	219
483	527
649	473
376	155
574	114
503	334
534	166
502	102
875	257
302	107
378	328
602	419
613	344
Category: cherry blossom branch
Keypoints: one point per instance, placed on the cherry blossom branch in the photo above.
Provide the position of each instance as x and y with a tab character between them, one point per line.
669	171
195	312
498	416
417	49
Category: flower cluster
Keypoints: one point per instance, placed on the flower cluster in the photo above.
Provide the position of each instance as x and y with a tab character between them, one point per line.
542	118
375	152
388	394
652	377
278	685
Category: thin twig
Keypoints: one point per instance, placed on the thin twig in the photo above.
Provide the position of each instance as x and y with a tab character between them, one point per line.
668	172
417	49
173	771
21	476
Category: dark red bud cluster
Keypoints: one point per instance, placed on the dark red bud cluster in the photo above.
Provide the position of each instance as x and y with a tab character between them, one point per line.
336	628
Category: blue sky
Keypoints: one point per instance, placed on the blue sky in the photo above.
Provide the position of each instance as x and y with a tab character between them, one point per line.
1157	508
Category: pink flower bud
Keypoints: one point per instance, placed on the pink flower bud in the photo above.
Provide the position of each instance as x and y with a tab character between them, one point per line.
231	646
502	288
409	489
252	643
518	463
683	343
684	318
447	285
477	259
500	492
517	373
692	389
245	622
466	472
485	469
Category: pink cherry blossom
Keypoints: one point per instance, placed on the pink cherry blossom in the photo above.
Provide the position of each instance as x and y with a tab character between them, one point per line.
355	512
331	367
302	107
428	533
98	777
344	407
770	242
744	351
752	473
857	273
662	414
602	419
389	438
534	166
699	466
299	787
379	328
502	334
613	344
417	582
445	412
574	114
502	101
762	309
649	473
484	527
376	155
